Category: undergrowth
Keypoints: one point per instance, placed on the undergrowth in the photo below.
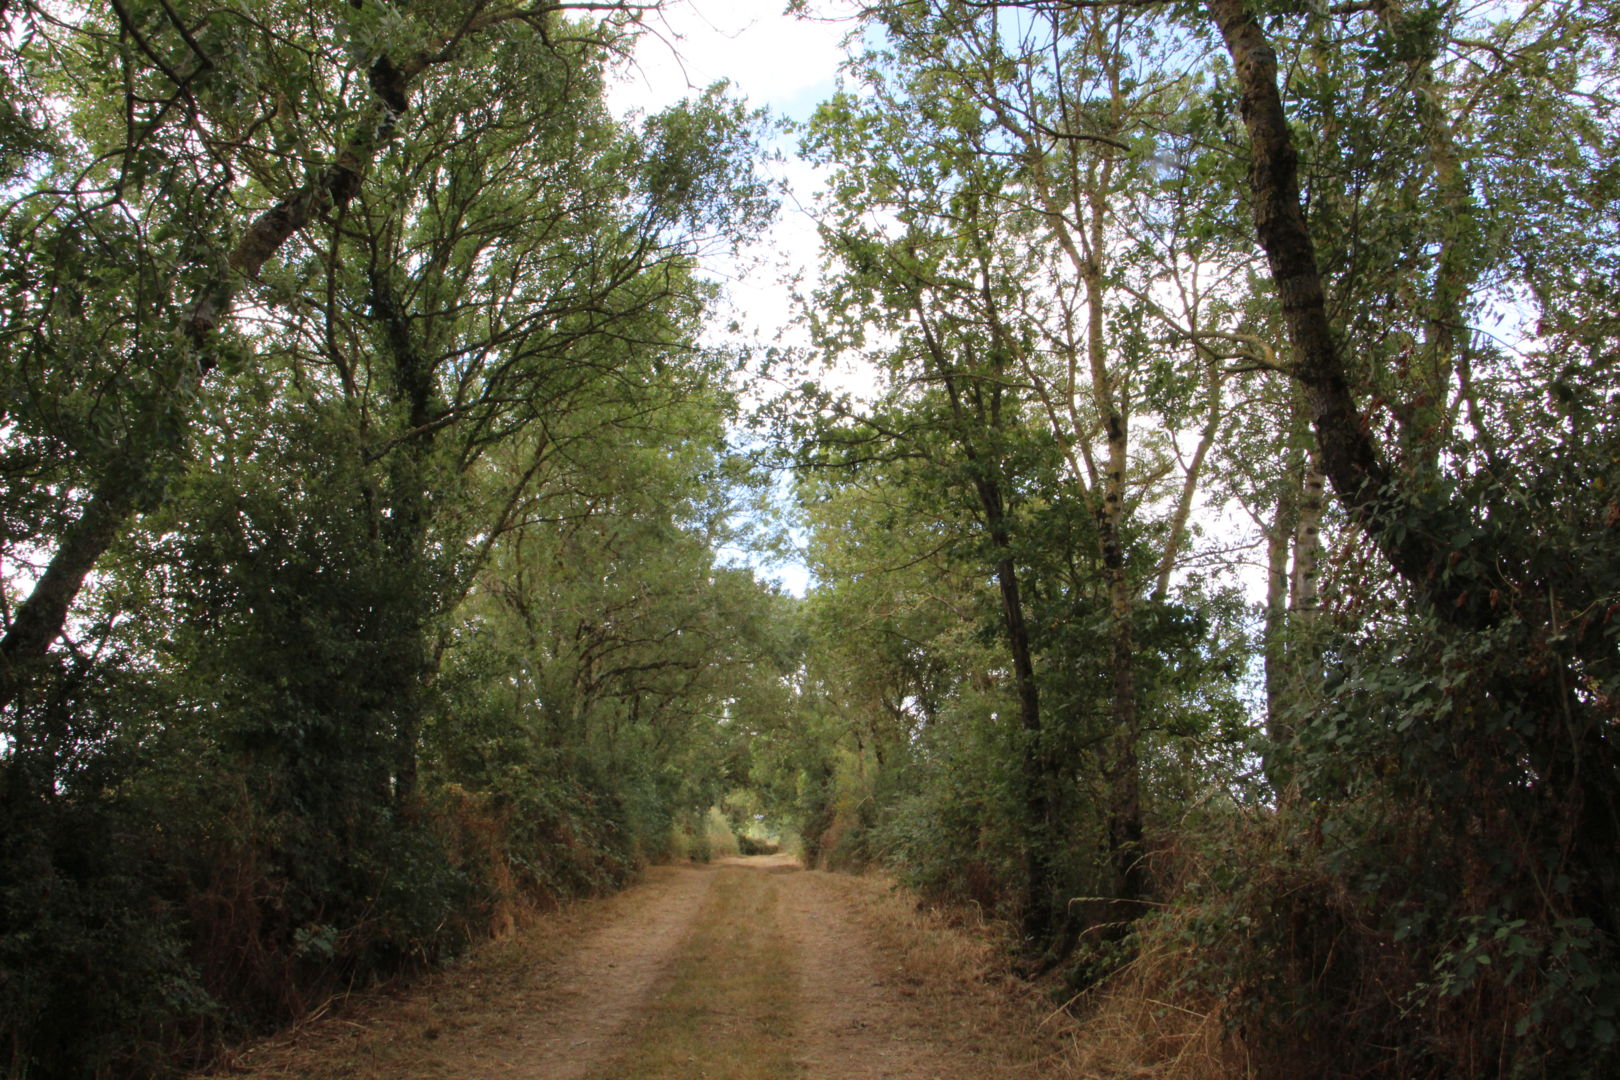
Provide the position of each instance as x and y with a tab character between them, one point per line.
1280	954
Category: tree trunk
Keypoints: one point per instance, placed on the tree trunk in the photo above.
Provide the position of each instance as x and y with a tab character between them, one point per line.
1122	767
1279	685
1426	420
1348	456
1305	617
40	618
973	413
1291	648
405	531
1565	743
1039	912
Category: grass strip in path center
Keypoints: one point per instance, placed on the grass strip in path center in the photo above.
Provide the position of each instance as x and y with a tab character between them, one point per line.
727	1012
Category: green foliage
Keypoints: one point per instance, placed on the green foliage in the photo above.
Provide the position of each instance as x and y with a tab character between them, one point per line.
96	972
1024	198
362	484
406	612
957	833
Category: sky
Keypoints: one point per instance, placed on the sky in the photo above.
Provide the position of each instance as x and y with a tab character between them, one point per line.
775	61
785	63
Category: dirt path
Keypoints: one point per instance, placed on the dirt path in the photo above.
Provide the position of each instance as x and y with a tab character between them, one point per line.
863	1011
746	970
581	1005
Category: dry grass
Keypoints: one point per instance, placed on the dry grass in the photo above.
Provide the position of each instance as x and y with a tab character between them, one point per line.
1141	1024
726	1012
375	1034
960	973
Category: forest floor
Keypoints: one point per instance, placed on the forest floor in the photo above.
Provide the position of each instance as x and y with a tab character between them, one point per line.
747	969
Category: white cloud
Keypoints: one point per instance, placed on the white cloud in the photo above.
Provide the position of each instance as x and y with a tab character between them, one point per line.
778	61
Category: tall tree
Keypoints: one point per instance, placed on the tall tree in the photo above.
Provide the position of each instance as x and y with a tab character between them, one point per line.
221	138
1461	567
308	334
1020	140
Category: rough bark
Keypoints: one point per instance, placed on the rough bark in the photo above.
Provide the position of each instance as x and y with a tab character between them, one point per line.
334	188
1565	744
1305	584
1349	458
1279	726
40	618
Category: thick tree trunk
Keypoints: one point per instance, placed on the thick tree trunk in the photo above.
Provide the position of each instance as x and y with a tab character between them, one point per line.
1349	458
1566	745
40	618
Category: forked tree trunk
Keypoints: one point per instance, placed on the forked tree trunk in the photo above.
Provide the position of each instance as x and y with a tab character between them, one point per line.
1565	744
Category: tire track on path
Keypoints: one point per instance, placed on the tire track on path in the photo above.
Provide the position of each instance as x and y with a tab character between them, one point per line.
603	988
862	1015
750	970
